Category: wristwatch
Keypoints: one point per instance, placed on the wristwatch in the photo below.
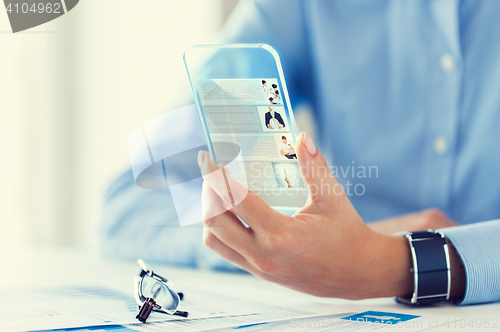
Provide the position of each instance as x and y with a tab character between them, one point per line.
431	268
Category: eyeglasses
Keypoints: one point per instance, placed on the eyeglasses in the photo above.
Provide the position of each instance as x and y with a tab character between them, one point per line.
153	293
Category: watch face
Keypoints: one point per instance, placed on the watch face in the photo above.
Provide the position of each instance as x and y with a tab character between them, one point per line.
274	123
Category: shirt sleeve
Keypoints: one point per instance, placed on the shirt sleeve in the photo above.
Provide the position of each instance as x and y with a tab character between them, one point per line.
283	26
142	223
478	245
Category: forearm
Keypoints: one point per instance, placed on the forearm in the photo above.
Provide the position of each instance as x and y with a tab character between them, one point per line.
392	267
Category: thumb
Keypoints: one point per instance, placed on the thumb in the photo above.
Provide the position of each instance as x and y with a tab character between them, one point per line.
319	178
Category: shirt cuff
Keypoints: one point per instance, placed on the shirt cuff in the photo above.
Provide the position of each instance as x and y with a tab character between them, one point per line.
478	245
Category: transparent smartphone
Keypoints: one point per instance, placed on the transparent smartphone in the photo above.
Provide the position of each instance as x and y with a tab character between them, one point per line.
241	98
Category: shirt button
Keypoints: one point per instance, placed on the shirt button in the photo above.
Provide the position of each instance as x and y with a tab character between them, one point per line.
447	63
440	145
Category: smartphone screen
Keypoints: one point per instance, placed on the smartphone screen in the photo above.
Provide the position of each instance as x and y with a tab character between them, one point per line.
252	113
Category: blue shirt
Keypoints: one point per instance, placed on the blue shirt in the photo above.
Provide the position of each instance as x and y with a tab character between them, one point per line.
407	89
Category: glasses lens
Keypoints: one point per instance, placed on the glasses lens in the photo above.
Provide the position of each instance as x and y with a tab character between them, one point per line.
158	291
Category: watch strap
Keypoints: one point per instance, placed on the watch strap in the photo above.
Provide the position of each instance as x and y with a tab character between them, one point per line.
431	268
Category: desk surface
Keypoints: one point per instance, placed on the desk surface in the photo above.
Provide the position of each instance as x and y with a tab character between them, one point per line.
40	266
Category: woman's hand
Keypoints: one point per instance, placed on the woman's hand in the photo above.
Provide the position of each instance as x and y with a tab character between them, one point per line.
325	249
411	222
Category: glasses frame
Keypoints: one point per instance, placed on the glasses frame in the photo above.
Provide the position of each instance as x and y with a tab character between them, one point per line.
141	299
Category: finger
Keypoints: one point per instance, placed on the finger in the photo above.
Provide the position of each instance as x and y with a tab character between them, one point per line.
226	252
319	178
211	204
244	203
223	223
213	243
436	218
213	174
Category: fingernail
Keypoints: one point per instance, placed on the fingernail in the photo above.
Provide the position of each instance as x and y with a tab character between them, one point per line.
309	144
201	158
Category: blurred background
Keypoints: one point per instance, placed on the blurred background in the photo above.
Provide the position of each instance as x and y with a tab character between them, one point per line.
71	91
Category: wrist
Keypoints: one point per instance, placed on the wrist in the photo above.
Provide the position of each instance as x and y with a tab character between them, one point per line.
437	269
389	266
398	272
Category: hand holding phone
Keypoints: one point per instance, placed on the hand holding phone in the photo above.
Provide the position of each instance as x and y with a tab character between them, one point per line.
241	97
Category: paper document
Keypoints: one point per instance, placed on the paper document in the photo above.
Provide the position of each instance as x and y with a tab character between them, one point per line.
100	308
24	309
353	321
283	319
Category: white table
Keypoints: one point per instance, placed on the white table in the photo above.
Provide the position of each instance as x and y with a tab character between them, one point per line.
41	266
